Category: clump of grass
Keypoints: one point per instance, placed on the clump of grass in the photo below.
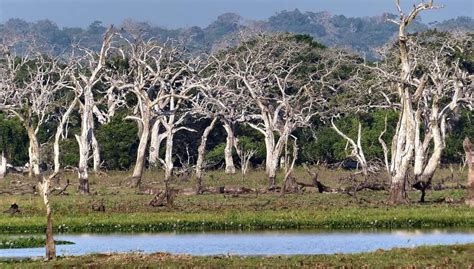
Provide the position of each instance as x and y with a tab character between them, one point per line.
27	242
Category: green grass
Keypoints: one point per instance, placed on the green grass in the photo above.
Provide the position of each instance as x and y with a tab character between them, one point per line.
461	256
27	242
128	212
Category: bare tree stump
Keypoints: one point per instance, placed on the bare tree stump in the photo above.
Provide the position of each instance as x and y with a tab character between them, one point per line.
13	209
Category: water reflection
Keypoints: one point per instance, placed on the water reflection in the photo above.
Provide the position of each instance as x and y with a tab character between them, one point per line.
252	243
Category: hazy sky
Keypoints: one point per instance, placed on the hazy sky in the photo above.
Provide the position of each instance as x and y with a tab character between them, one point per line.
180	13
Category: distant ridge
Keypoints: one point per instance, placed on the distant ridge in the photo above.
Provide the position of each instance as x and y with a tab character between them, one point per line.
360	35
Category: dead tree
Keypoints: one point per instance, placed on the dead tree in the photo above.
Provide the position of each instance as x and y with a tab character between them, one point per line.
444	88
87	73
357	150
401	82
222	102
160	76
427	89
32	99
264	73
245	155
468	149
403	141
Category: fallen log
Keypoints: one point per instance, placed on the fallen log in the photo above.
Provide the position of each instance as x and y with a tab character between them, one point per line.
61	190
316	183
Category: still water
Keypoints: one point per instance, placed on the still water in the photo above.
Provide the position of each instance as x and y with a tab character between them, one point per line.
250	243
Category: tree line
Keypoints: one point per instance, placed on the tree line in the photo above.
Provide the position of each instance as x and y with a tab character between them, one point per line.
278	97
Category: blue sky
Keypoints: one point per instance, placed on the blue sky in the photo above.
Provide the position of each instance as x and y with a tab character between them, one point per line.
182	13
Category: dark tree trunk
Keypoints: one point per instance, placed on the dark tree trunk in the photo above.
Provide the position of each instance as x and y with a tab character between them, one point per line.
84	186
50	245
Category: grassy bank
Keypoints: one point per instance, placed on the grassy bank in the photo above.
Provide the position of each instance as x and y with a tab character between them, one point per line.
341	218
27	242
461	256
126	211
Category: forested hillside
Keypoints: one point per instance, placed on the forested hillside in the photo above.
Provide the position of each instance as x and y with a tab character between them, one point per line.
361	35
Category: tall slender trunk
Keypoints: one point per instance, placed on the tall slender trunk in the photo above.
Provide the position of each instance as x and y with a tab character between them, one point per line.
169	165
34	153
201	152
59	134
84	141
469	150
144	136
3	166
57	138
155	143
95	145
230	141
50	245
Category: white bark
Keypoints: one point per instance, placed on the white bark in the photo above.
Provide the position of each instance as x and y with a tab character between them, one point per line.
84	84
33	100
3	166
60	133
34	153
229	146
142	146
357	150
169	163
155	143
201	154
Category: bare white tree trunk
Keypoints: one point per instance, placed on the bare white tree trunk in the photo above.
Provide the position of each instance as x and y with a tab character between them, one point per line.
274	151
155	143
271	160
201	153
94	145
153	152
425	166
169	164
403	142
59	134
34	153
84	84
402	152
144	136
469	150
3	166
84	141
230	142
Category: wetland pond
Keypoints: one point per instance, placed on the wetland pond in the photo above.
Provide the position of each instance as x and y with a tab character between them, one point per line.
300	242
